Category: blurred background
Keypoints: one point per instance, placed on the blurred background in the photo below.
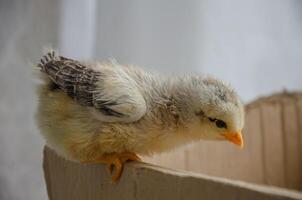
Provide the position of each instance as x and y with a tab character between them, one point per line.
255	45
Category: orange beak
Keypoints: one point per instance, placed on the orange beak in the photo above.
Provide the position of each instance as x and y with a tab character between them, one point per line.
235	138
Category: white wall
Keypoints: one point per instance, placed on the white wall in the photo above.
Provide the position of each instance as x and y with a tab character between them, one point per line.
77	28
256	45
26	26
159	35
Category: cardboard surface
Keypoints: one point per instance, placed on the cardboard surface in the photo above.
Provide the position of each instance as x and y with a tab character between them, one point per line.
73	181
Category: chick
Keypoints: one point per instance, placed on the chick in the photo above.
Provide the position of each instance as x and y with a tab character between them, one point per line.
108	113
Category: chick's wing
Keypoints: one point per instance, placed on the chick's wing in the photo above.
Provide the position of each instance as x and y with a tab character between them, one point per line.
112	93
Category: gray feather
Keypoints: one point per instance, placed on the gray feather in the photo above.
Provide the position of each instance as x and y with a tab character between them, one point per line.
77	80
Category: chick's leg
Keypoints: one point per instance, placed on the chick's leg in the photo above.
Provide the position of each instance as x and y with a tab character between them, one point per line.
123	157
116	160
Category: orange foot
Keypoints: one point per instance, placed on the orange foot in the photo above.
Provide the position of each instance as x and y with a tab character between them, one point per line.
116	160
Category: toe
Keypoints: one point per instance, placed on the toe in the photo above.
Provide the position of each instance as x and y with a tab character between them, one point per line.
109	168
118	170
129	156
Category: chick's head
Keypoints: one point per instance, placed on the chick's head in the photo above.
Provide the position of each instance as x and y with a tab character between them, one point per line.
217	112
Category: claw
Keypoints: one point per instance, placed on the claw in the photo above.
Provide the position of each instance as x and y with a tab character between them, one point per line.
115	163
118	165
127	156
109	168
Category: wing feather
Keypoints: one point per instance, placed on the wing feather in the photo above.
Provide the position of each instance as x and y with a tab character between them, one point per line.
82	83
77	80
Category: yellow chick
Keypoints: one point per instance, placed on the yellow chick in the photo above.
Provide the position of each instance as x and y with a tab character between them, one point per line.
108	113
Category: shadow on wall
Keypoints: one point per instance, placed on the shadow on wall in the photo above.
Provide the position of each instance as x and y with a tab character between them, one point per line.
5	192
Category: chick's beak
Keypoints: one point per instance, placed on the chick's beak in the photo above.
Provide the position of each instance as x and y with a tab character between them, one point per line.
235	138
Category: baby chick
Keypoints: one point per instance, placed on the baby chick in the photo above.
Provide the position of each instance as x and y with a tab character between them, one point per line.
108	113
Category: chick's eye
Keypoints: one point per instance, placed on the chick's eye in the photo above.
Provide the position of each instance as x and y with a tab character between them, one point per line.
220	124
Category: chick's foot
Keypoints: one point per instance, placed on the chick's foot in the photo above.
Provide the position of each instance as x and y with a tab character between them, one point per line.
116	161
